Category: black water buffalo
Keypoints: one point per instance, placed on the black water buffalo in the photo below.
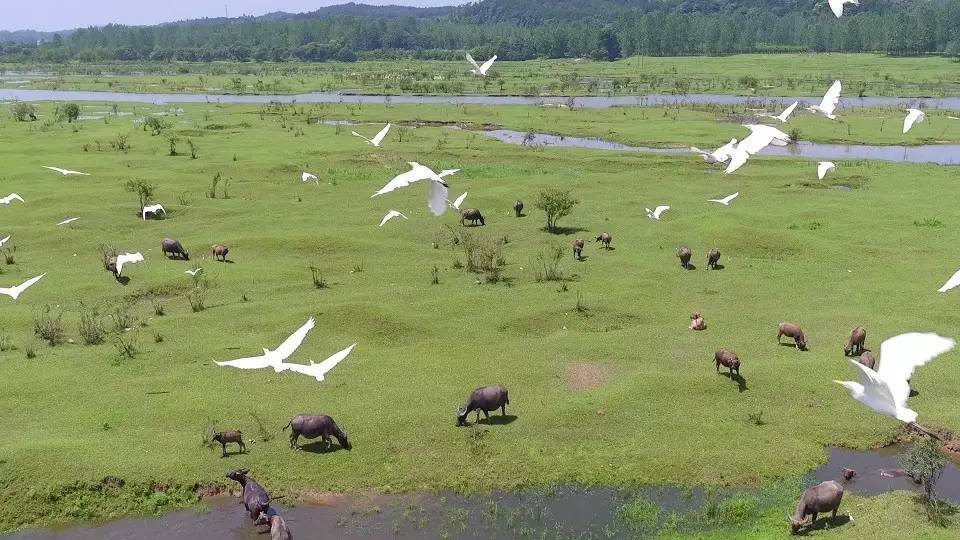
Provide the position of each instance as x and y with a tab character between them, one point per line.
817	499
225	437
485	399
311	427
173	248
255	499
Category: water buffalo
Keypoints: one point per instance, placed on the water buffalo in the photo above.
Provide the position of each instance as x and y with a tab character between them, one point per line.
518	208
255	499
855	344
112	266
278	526
472	215
225	437
484	399
578	249
792	331
311	427
867	359
220	252
847	474
697	322
728	359
713	258
684	254
174	249
605	239
817	499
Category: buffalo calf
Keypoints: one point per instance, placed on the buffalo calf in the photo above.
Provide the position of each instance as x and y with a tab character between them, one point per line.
225	437
728	359
792	331
855	343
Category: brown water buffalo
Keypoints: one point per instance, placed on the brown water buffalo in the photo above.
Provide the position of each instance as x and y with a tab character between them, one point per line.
697	322
728	359
484	399
578	249
867	359
112	266
684	254
847	474
472	215
225	437
605	239
817	499
278	526
855	343
220	252
173	248
311	427
255	499
518	208
792	331
713	258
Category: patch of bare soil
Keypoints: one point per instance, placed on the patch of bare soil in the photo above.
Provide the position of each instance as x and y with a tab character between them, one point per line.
587	375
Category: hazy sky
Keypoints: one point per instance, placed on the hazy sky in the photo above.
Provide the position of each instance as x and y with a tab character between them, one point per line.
65	14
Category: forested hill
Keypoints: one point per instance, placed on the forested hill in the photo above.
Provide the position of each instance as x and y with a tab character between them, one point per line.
523	29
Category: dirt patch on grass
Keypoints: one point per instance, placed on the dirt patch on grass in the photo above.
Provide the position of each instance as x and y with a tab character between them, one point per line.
320	498
587	375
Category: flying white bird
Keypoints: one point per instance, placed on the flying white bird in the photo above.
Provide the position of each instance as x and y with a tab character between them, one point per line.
829	102
459	201
953	117
68	220
951	283
416	173
127	258
720	155
824	167
390	215
726	200
15	291
306	177
274	358
914	116
836	6
376	140
782	117
656	212
10	198
193	272
66	172
886	390
478	69
152	209
4	241
760	137
317	371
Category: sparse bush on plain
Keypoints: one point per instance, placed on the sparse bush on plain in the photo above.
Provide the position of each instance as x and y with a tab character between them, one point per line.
317	276
23	111
547	265
6	344
556	204
126	346
48	326
123	319
91	327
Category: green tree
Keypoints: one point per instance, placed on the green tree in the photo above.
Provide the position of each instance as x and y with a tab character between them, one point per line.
23	111
70	112
556	204
924	463
143	189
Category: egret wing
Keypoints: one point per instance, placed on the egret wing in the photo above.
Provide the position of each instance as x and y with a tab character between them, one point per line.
380	136
786	113
901	355
472	61
737	159
456	203
254	362
290	345
318	371
951	283
876	392
488	64
831	98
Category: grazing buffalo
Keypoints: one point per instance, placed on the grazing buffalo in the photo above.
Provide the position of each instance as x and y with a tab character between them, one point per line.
867	359
255	499
792	331
684	254
518	208
173	248
484	399
472	215
855	344
728	359
225	437
311	427
220	252
817	499
578	249
605	239
278	526
697	322
112	266
713	258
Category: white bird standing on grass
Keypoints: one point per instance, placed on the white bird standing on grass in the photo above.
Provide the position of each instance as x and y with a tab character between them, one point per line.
887	389
66	172
824	167
15	291
782	117
416	173
390	215
274	358
726	200
10	198
68	221
376	140
914	116
656	212
127	258
306	177
836	6
478	69
152	209
829	102
318	371
720	155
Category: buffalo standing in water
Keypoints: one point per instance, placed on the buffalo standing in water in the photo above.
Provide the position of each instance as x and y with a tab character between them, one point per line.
255	499
485	399
311	427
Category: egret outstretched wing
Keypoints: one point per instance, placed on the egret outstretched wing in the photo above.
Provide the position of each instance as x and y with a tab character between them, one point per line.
726	200
10	198
914	116
66	172
951	283
829	102
455	204
487	65
390	215
380	136
68	221
290	345
836	6
128	258
656	212
4	241
472	61
737	159
824	167
15	291
901	355
254	362
318	371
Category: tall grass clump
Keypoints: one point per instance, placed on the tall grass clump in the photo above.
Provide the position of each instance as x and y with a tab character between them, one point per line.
91	328
547	265
48	326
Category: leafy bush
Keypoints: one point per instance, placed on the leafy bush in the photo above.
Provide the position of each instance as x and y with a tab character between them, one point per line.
556	204
23	111
70	112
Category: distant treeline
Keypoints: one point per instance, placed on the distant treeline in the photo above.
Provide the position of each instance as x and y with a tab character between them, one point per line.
604	29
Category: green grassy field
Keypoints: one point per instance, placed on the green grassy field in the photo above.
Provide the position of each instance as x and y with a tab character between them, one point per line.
754	74
827	259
